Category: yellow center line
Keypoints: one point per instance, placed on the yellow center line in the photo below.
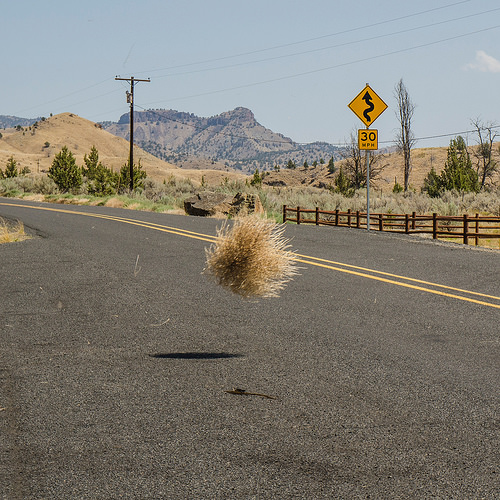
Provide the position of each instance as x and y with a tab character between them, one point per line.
400	283
422	282
314	261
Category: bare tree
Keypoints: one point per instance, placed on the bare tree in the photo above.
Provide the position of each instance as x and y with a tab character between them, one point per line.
405	139
486	165
354	165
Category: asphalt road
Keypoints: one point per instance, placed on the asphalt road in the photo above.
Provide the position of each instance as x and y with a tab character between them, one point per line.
116	354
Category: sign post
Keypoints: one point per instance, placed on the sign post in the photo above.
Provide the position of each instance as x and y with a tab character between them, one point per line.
367	106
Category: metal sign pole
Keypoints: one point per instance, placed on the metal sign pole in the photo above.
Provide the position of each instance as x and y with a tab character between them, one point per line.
367	190
367	106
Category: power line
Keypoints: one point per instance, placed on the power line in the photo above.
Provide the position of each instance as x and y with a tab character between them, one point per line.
290	44
299	42
68	95
344	44
440	136
336	66
292	142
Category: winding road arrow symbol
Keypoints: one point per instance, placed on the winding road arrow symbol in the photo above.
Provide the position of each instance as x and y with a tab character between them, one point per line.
368	99
367	105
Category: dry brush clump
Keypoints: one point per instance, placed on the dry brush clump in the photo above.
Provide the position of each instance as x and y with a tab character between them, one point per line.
10	233
449	203
251	258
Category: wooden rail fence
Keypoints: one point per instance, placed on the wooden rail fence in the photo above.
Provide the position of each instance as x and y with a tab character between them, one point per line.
463	227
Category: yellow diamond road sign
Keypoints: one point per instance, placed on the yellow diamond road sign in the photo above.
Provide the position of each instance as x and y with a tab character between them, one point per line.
367	106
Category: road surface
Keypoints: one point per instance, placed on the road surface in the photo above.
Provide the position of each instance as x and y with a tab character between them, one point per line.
116	352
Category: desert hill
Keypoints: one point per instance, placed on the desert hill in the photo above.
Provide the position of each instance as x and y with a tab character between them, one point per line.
231	139
35	147
423	159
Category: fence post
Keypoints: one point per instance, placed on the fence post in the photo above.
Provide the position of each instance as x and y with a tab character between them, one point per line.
381	222
349	217
414	217
477	228
336	216
317	216
298	215
357	219
407	223
466	229
434	225
284	214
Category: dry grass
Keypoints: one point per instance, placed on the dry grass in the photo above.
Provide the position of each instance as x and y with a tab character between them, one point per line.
10	233
251	258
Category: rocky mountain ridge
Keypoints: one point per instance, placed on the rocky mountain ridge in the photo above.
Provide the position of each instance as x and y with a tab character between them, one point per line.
231	139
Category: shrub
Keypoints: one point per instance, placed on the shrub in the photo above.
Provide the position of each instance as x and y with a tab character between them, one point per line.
458	173
398	188
432	184
64	171
101	181
124	179
256	179
251	258
10	169
344	185
10	233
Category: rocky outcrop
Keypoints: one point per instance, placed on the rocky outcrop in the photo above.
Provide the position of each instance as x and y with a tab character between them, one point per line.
209	204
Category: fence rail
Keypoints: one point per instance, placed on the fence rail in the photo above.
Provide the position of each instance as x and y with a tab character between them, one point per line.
463	227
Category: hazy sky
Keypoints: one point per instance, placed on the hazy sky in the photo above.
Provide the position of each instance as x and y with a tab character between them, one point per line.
296	65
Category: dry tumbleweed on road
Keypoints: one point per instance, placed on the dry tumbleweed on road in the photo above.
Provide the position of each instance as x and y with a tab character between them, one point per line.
251	258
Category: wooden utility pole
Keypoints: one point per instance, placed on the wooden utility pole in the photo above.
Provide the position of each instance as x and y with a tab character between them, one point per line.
130	100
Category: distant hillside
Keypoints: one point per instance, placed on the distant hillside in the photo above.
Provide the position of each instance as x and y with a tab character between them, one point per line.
231	139
7	121
34	146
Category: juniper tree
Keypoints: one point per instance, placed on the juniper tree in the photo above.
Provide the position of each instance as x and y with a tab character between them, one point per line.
64	171
102	181
11	168
458	173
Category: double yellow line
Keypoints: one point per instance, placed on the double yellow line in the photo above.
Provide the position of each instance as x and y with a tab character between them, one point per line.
363	272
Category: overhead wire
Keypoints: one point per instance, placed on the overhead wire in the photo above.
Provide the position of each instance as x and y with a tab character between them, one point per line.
60	98
310	72
299	42
320	49
293	143
336	66
307	40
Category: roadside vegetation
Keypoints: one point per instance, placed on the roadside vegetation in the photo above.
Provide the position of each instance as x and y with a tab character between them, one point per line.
11	232
457	190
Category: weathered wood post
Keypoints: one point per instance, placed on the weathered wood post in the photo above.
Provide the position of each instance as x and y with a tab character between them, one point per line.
466	229
477	229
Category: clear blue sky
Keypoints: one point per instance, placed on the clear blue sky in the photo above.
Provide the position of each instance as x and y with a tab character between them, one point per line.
296	65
